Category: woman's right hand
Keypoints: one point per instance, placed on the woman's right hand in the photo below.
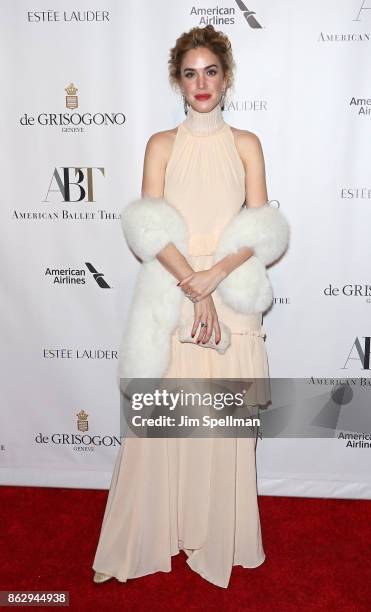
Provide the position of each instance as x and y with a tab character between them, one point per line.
205	311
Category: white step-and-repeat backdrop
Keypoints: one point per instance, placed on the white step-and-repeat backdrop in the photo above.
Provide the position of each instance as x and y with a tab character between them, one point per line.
83	88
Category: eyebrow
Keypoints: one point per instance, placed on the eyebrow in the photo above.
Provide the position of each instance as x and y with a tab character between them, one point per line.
206	67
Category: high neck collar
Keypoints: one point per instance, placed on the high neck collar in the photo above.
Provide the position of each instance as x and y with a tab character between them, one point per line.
202	124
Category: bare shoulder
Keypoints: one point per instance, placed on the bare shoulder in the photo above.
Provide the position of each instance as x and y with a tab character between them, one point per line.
156	157
160	144
248	144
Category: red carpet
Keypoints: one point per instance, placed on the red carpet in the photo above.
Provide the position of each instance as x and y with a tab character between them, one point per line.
318	557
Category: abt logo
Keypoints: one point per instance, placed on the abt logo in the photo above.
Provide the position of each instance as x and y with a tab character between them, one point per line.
365	6
361	352
74	184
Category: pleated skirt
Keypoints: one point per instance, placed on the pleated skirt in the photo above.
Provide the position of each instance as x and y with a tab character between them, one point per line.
198	495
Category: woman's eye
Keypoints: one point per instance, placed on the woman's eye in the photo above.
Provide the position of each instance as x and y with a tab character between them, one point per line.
210	72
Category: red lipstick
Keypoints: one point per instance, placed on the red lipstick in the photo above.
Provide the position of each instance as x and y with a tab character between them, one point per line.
203	96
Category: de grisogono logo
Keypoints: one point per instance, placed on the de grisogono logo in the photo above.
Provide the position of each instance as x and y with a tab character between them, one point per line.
80	442
71	184
73	121
352	290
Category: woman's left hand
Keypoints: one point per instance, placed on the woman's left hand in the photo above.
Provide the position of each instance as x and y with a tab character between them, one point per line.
200	284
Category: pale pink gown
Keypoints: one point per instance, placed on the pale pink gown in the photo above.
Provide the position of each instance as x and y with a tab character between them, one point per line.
193	494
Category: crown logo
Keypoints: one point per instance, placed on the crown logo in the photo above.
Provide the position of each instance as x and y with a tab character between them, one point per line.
82	421
71	89
71	97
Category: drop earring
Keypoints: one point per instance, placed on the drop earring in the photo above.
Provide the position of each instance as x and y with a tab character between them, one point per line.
222	100
185	104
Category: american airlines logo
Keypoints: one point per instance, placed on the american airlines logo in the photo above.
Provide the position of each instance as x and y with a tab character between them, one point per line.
225	15
75	276
248	15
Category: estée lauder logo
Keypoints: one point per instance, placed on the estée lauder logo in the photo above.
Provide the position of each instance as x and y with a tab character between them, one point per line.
63	183
363	353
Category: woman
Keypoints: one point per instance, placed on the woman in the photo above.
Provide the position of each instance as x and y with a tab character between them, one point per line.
203	266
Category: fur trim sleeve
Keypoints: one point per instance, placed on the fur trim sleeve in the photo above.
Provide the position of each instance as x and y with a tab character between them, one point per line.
247	289
264	229
149	224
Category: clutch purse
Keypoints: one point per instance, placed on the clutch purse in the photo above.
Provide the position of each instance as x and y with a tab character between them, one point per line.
184	335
